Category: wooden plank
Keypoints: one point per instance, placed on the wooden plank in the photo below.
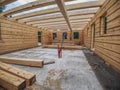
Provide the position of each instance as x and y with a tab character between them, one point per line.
106	6
112	55
20	61
54	16
107	59
59	23
64	47
29	77
11	82
59	20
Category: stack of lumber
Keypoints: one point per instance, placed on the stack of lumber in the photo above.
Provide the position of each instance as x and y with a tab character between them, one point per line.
64	47
21	61
13	78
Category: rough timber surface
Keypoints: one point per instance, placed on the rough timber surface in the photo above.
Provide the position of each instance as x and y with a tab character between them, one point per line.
29	77
21	61
11	82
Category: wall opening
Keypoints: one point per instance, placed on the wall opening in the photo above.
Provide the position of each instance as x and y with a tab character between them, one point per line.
76	35
64	35
0	31
54	36
39	37
93	35
103	23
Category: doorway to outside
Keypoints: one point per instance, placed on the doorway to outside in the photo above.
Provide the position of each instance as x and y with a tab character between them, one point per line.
39	38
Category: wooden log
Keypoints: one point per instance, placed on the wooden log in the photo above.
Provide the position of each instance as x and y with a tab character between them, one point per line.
29	77
21	61
64	47
11	82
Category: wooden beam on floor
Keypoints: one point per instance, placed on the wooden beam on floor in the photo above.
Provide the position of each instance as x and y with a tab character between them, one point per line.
29	77
21	61
64	47
11	82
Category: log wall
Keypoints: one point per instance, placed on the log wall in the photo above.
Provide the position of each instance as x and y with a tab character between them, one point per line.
16	36
107	46
46	37
78	41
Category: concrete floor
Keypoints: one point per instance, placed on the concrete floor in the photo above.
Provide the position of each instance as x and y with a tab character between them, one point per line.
71	72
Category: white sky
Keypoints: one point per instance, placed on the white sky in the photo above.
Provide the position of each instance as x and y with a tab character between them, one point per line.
22	2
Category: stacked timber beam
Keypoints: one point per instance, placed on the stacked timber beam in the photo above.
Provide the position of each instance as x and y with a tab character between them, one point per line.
13	78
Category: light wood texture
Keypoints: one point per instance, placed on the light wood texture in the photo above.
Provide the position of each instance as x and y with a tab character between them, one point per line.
11	82
63	10
20	61
29	77
107	46
56	16
59	24
60	20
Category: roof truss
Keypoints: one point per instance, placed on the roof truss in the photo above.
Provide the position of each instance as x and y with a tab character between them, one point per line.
72	16
55	10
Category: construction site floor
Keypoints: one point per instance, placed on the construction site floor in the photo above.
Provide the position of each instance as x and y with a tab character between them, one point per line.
74	71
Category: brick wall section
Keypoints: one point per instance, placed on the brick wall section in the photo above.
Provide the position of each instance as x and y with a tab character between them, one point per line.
107	46
16	36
